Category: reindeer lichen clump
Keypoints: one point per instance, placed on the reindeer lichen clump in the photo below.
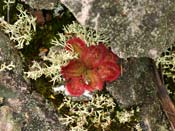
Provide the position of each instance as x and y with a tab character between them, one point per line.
22	30
8	67
82	115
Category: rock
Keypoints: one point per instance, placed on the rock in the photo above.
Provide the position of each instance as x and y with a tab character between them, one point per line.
20	109
41	4
7	122
1	100
136	87
135	84
136	28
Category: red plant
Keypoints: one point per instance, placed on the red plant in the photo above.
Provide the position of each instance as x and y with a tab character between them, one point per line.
95	65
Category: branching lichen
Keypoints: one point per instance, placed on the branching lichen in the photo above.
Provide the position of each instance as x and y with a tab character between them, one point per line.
7	5
22	30
83	115
9	67
90	36
57	59
124	115
167	62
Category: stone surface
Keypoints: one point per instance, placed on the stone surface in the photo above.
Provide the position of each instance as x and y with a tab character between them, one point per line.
20	109
136	87
7	122
41	4
137	28
135	84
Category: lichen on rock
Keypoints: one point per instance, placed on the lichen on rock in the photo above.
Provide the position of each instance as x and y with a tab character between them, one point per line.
136	28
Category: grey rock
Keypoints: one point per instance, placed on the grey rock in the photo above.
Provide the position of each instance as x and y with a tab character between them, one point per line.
7	122
136	87
1	100
41	4
135	84
141	28
20	109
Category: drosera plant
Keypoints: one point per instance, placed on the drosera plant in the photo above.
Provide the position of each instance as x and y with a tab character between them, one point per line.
22	30
94	66
80	59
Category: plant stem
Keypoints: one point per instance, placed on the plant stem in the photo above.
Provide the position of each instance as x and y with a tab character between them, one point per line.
165	100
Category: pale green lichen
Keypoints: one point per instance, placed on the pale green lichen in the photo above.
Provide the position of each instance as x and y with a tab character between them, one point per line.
7	5
126	116
138	127
167	62
96	112
4	66
22	30
90	36
58	56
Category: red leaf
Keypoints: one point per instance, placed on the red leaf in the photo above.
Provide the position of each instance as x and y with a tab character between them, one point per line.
94	55
110	57
78	45
74	69
76	86
93	81
108	71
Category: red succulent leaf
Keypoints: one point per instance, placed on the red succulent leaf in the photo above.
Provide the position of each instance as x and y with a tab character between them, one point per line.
110	57
78	45
75	86
75	68
93	81
108	71
94	55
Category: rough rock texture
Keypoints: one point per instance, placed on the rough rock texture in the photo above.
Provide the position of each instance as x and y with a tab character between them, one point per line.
20	109
137	87
137	28
41	4
136	83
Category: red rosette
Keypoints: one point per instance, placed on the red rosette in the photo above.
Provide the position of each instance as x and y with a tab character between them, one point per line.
94	56
93	81
75	86
108	71
74	69
78	45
